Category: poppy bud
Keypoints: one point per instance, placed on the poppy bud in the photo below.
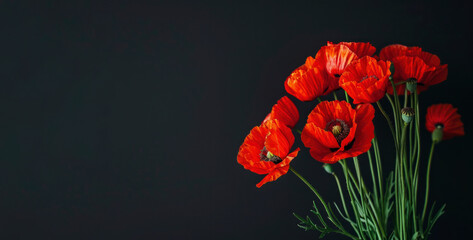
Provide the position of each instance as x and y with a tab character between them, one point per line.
411	84
328	168
437	134
407	114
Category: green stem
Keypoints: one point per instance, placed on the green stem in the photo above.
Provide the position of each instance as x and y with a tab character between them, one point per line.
358	174
400	83
395	113
412	150
379	166
416	148
311	188
397	106
353	198
427	182
320	100
341	194
346	97
375	188
407	196
367	204
404	157
405	97
389	122
349	174
411	162
330	215
335	96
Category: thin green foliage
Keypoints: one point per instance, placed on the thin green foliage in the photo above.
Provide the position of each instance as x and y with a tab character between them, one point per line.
388	209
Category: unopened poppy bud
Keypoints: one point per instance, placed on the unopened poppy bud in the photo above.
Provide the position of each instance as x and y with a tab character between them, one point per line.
407	114
437	134
328	168
411	84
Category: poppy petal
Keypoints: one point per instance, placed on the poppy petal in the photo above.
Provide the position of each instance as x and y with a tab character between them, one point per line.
361	49
392	51
333	110
307	82
285	111
334	59
405	68
249	153
282	169
323	144
448	117
365	132
410	67
313	135
366	80
280	138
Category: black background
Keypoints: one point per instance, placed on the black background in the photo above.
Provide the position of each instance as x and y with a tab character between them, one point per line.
122	120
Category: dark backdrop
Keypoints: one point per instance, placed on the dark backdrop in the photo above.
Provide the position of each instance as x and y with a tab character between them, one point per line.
122	120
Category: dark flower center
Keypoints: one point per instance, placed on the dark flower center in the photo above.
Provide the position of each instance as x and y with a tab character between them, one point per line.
366	77
339	129
267	156
336	75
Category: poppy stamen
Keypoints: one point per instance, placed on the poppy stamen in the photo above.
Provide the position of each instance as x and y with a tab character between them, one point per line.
366	77
268	156
339	129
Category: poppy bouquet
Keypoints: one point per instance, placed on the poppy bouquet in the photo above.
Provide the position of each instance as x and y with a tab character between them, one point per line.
337	132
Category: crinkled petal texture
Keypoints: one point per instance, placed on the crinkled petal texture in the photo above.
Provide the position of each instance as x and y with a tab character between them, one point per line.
275	137
366	79
446	115
333	60
285	111
307	82
410	67
361	49
323	144
433	74
397	50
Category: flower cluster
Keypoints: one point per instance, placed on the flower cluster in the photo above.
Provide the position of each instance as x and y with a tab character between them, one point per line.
338	130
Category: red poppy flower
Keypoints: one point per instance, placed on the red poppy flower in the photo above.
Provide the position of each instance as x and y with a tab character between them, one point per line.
307	82
444	116
266	150
366	80
285	111
334	58
335	131
430	74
